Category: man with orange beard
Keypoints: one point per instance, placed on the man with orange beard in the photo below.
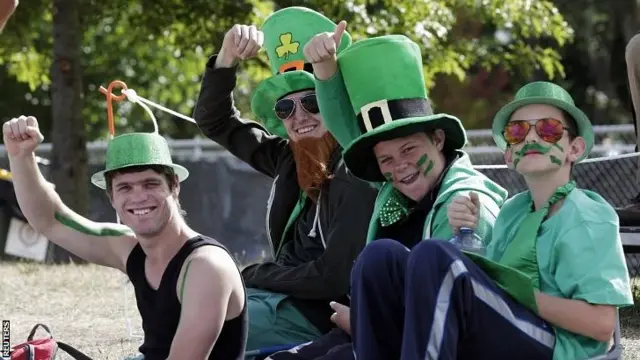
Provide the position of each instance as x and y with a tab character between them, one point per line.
317	213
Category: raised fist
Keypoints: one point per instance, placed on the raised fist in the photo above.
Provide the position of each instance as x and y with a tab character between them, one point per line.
241	42
21	135
464	211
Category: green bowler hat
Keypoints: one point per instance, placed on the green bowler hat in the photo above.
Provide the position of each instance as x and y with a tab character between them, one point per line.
137	149
286	32
385	82
543	92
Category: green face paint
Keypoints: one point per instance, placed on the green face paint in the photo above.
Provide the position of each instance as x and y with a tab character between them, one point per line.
422	160
518	155
555	160
533	147
557	146
429	167
388	176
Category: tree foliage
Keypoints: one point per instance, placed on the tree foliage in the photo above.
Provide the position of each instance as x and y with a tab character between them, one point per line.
160	47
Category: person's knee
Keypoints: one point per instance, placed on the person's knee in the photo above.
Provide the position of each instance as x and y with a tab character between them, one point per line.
632	52
431	253
378	255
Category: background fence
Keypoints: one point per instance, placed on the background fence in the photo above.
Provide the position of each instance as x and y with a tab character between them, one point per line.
226	199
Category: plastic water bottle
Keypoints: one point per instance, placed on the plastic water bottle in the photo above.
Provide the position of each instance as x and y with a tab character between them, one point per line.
468	240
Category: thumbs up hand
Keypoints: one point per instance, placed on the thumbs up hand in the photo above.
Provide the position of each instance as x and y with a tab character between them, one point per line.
321	51
464	211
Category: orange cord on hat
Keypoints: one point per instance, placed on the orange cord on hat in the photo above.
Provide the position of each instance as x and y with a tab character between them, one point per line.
108	92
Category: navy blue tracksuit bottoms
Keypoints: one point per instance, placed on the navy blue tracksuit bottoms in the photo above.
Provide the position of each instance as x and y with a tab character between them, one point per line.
434	303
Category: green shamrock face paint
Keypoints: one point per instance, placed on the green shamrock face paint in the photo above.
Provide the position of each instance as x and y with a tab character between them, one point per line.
557	146
388	176
422	161
555	160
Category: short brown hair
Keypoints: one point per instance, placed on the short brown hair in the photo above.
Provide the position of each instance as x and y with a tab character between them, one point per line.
165	171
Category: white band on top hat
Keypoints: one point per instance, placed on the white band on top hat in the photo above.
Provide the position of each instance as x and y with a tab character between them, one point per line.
383	105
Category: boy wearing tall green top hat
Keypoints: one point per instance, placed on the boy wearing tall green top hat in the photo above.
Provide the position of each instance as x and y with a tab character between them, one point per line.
554	272
317	214
184	313
393	137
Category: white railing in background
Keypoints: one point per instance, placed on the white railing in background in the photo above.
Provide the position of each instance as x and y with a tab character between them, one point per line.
203	149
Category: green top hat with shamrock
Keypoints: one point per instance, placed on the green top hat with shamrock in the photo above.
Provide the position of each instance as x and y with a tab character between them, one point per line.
134	149
286	32
542	92
385	82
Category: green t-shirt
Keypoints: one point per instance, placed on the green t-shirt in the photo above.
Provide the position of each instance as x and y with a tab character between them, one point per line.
580	256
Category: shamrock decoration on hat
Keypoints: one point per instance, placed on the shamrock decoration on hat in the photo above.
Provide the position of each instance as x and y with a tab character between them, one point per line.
286	32
134	149
385	82
543	92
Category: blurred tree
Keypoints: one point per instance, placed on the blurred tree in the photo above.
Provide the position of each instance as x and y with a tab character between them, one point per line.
595	61
69	155
462	38
159	47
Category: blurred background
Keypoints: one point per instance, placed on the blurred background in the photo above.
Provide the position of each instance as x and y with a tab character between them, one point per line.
54	56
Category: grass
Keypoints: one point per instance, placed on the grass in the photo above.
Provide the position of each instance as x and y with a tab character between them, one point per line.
84	305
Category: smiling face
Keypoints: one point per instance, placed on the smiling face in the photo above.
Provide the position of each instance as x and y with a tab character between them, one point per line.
413	163
300	115
549	145
145	200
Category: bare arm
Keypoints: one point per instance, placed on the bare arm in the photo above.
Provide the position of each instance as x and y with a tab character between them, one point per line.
103	244
213	293
580	317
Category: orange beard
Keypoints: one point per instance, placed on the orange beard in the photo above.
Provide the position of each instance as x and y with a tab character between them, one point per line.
312	158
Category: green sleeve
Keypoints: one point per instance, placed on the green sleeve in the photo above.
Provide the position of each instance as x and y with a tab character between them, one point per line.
440	228
589	264
337	112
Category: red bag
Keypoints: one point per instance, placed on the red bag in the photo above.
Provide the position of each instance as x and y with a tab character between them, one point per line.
44	348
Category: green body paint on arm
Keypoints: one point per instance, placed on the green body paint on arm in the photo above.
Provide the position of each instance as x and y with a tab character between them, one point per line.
95	231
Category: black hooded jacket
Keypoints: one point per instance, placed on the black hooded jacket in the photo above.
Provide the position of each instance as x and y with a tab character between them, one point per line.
312	261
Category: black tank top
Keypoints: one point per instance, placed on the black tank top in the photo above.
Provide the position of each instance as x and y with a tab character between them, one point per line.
160	309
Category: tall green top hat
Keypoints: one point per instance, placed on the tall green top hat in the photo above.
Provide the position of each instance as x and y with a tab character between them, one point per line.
390	104
542	92
286	32
134	149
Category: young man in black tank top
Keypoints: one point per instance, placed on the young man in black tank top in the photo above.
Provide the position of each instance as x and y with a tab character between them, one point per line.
190	296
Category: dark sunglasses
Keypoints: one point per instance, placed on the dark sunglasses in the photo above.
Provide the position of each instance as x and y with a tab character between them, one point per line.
548	129
284	108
